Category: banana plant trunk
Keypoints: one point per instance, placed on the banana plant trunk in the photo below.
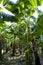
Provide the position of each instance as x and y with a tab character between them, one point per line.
14	47
29	57
36	55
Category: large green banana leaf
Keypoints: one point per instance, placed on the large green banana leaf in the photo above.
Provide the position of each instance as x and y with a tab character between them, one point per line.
20	8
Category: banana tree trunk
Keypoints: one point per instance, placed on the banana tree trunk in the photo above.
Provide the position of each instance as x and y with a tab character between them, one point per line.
37	58
13	47
29	57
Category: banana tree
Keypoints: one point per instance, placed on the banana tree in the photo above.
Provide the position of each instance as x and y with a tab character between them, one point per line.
21	10
14	11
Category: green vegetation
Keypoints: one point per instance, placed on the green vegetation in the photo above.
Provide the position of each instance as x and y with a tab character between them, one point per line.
21	30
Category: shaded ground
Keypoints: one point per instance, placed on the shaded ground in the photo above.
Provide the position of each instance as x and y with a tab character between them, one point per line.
17	60
14	61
